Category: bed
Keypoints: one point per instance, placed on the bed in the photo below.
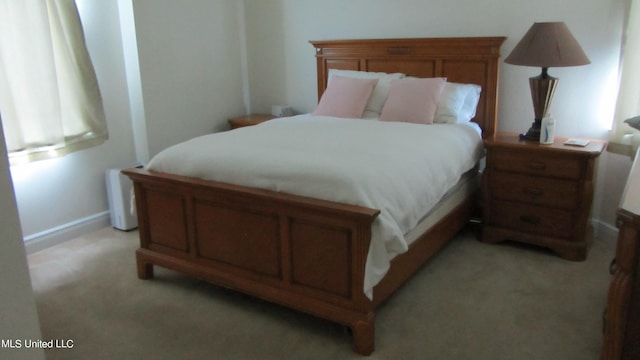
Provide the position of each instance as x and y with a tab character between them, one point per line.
297	250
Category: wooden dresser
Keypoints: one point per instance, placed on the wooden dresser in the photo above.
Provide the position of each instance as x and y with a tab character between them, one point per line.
622	315
539	194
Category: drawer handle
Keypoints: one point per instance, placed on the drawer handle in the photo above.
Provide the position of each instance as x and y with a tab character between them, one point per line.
529	219
532	192
613	266
536	166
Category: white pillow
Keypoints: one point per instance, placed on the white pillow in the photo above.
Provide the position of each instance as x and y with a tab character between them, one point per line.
380	93
458	103
470	105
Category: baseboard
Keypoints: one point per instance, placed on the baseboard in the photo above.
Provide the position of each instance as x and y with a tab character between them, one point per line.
605	232
65	232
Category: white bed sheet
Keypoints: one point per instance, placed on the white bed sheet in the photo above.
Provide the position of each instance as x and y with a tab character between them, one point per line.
401	169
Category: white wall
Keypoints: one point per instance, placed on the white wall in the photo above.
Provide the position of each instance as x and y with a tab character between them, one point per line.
18	315
191	67
282	63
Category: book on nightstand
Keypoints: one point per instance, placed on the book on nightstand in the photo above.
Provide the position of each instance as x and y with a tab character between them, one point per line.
577	142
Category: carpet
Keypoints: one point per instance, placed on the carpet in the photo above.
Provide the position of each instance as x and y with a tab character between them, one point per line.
471	301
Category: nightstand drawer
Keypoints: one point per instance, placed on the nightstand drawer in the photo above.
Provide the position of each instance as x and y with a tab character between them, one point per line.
537	163
532	219
555	193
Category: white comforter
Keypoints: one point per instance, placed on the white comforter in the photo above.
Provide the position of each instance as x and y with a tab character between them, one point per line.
401	169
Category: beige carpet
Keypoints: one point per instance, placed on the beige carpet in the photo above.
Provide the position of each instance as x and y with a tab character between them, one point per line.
473	301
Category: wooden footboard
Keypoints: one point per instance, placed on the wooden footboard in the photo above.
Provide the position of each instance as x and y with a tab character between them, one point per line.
306	254
303	253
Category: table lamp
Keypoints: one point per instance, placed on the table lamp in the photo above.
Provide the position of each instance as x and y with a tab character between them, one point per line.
545	45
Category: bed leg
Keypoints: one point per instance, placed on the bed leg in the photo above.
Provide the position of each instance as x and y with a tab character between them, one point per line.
364	335
145	269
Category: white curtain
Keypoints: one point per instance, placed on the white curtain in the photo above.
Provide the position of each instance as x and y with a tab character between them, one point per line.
50	103
625	139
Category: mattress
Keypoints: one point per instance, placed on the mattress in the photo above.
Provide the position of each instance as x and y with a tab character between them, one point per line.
466	187
401	169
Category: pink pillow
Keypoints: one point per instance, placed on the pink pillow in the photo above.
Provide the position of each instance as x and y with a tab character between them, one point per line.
345	97
413	100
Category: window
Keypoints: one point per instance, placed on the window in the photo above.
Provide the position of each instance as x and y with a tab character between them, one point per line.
50	103
625	139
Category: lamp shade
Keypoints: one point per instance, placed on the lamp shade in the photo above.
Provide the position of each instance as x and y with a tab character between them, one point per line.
548	44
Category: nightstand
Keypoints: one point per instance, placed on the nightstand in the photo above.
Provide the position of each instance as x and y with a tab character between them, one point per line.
249	120
539	194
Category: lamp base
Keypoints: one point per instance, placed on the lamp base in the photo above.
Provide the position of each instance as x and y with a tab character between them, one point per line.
542	88
533	133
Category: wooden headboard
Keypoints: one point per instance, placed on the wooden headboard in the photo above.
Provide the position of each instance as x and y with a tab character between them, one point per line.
472	60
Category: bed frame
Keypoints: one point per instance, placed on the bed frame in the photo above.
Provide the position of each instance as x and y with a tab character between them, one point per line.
306	254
